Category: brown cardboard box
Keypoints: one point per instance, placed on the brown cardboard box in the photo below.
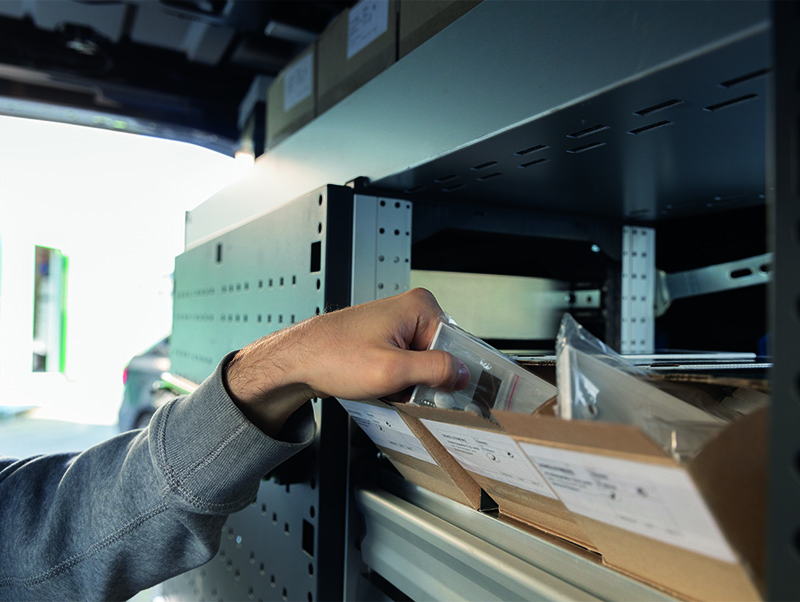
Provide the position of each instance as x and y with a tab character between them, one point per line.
694	528
420	20
508	477
414	452
358	45
291	98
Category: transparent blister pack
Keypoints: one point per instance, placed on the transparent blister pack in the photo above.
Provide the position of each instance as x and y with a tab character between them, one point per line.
595	383
496	382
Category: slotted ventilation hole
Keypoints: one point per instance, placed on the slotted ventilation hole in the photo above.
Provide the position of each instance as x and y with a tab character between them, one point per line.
453	188
531	149
532	163
586	147
729	103
659	107
444	179
730	83
649	128
483	165
489	177
588	131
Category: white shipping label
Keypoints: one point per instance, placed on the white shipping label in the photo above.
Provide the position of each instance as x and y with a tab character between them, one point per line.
656	501
367	20
298	83
492	455
386	429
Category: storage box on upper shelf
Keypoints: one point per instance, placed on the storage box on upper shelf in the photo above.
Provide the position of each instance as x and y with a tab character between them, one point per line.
414	452
358	45
291	98
420	20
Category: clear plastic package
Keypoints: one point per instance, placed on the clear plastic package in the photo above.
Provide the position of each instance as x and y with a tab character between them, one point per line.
595	383
496	382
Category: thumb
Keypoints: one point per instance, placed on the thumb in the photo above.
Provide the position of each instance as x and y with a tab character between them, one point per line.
435	368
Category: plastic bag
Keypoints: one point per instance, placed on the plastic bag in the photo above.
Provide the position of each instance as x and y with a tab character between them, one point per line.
496	382
596	383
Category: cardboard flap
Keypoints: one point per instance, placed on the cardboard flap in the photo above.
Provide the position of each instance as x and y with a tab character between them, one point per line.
416	454
582	435
433	477
452	471
731	473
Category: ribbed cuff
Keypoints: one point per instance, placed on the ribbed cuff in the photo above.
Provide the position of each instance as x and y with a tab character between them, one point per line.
212	458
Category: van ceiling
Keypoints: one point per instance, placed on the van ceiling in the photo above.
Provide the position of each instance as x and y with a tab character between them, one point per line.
185	63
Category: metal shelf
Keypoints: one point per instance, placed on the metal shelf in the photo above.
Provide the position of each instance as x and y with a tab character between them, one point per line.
506	64
431	548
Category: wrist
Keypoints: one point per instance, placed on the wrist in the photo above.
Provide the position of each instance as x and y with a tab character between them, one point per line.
262	384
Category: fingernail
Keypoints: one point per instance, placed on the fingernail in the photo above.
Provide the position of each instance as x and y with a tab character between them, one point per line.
463	377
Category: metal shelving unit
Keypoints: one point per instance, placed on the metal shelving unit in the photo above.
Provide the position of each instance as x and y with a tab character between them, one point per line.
590	118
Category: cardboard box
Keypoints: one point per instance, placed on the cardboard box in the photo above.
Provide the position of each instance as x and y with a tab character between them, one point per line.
420	20
291	98
495	461
694	528
414	452
358	45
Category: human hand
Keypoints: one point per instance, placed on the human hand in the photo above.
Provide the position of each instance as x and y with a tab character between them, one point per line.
364	352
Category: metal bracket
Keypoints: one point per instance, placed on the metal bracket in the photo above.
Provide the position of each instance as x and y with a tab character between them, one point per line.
381	247
638	289
711	279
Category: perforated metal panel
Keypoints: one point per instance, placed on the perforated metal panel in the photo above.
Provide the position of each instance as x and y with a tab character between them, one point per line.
638	289
278	269
381	247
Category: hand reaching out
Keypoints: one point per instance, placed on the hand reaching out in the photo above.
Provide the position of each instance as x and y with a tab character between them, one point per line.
364	352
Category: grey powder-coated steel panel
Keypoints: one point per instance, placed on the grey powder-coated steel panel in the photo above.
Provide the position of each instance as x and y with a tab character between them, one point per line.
282	268
503	64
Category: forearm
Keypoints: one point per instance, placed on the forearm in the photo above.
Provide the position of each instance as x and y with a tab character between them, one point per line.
139	508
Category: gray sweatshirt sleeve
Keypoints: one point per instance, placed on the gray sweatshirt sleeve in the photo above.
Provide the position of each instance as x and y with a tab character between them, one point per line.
139	508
